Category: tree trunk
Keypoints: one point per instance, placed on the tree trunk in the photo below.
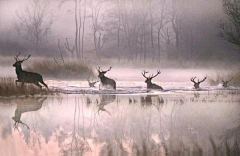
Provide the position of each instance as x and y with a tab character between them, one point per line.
76	29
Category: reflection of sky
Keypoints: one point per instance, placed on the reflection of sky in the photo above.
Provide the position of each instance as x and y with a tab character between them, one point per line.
69	122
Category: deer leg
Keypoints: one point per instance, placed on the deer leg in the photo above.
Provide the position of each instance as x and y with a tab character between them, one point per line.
17	82
22	84
44	84
37	84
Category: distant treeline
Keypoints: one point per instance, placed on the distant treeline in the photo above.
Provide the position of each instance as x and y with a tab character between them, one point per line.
136	30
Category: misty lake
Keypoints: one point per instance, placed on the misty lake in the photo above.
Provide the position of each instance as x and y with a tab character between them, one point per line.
131	120
121	124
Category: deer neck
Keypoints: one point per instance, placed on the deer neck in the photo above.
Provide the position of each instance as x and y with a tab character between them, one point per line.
149	84
19	69
196	85
103	78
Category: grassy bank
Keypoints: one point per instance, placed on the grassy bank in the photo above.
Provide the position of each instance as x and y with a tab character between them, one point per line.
71	70
8	88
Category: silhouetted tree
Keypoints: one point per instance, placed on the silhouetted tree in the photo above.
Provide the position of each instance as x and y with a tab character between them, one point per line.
35	22
98	31
230	31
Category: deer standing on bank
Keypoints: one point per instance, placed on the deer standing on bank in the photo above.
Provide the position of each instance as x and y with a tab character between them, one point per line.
148	80
27	77
197	84
91	83
225	83
105	82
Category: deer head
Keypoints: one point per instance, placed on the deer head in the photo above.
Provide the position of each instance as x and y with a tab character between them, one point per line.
226	81
196	84
150	77
101	73
18	61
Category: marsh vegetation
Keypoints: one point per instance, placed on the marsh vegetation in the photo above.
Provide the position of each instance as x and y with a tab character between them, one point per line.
9	88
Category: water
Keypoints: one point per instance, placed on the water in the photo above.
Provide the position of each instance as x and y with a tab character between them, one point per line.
129	121
119	124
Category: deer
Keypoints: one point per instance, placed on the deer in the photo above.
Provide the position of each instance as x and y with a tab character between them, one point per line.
225	83
148	80
91	83
24	76
28	105
197	84
105	82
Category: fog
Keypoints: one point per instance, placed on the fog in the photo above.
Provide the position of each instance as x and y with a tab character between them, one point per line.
136	30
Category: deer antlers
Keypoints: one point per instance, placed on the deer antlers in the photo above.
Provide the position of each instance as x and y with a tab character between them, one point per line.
15	126
89	81
17	57
144	73
227	80
100	70
150	76
193	79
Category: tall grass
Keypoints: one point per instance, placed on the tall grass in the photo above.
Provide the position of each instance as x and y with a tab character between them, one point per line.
8	88
71	70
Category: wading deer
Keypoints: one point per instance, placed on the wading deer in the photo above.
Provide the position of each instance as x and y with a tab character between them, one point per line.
27	77
105	82
91	83
196	84
225	83
27	105
148	80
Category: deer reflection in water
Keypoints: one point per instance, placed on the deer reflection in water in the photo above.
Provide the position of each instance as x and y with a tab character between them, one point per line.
26	105
105	100
150	100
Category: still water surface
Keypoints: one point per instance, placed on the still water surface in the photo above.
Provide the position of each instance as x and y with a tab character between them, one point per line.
145	124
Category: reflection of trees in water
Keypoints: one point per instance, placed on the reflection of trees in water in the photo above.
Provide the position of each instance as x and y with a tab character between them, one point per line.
74	143
231	140
149	126
141	136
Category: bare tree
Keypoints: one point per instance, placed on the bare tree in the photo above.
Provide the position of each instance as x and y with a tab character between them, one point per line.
79	12
231	31
98	36
35	23
167	37
161	23
83	27
175	20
